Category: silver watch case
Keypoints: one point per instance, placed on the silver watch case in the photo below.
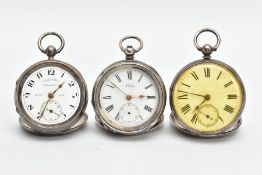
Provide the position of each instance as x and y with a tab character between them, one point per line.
151	124
180	125
75	122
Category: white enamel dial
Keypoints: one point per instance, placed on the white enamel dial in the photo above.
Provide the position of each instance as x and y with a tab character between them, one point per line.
129	97
50	95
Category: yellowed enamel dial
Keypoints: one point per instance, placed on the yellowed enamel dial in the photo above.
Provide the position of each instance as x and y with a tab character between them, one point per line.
207	97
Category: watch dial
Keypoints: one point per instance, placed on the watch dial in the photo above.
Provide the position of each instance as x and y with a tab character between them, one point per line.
50	95
129	97
207	97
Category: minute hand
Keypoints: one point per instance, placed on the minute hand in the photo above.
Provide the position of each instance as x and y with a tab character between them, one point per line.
204	96
117	87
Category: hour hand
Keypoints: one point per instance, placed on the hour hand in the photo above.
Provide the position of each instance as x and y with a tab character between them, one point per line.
207	97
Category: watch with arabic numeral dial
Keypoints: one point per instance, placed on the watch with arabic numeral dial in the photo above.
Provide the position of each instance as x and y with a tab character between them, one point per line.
129	96
207	97
51	95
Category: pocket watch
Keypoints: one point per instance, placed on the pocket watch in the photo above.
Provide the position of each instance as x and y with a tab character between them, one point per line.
207	96
129	96
51	95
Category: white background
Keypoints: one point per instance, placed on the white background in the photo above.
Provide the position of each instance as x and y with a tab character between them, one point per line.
92	30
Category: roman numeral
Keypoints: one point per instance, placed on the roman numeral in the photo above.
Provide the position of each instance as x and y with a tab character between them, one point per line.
39	75
75	95
51	72
110	86
228	84
149	109
232	96
151	97
62	75
107	97
26	95
110	108
71	84
229	109
148	86
194	118
129	75
30	83
186	109
30	107
72	106
117	117
38	117
207	72
183	97
185	85
140	78
219	75
195	75
118	78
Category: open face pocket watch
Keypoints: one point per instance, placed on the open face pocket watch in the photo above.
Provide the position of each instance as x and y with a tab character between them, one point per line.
129	96
51	95
207	96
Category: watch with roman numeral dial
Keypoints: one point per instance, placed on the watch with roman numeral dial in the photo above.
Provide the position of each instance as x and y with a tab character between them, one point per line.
51	95
129	96
207	96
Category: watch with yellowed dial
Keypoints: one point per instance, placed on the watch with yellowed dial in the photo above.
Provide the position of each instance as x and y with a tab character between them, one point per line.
129	96
207	96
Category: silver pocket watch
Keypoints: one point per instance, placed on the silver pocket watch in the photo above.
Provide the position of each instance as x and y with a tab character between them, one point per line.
129	96
207	96
51	95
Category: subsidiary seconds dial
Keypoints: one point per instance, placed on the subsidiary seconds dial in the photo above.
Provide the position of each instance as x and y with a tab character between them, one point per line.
129	97
50	95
